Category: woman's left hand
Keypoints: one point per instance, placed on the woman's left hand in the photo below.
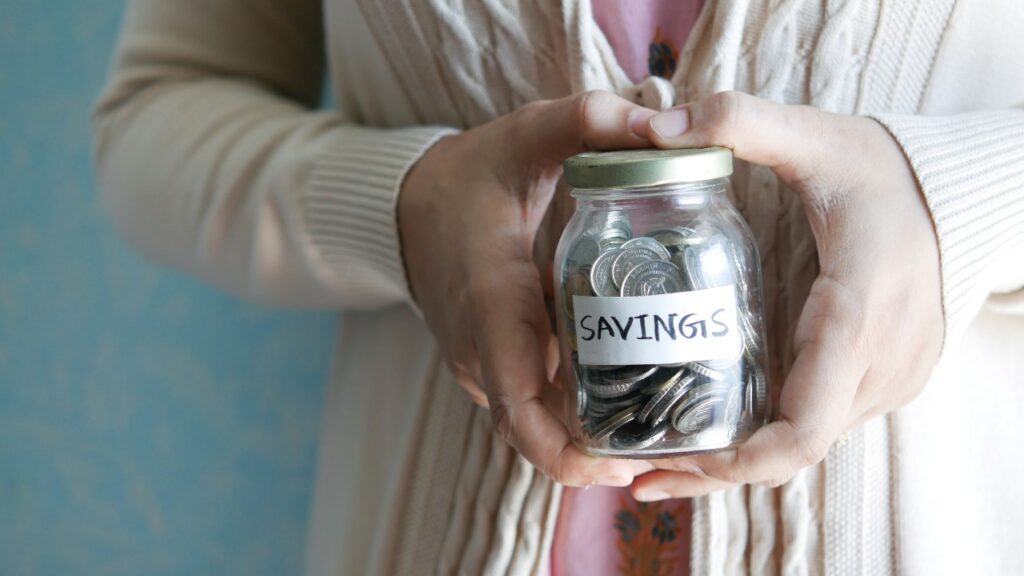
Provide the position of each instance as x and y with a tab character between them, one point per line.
872	327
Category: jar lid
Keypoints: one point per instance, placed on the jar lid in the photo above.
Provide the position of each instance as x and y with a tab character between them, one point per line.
644	168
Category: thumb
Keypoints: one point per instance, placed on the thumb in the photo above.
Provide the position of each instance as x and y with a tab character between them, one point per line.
594	120
788	139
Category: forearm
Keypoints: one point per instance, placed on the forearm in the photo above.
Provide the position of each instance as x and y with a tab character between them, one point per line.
212	159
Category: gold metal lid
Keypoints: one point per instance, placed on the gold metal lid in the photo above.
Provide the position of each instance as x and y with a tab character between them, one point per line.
645	168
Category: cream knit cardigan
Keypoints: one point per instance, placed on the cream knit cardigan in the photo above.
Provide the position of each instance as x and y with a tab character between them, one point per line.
214	162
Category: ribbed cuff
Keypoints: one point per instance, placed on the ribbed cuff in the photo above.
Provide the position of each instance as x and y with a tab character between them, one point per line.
971	170
349	207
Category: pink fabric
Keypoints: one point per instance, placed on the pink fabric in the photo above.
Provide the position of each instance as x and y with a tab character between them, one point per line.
632	27
603	531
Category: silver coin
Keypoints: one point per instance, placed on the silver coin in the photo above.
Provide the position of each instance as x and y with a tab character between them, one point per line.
732	417
618	219
674	239
745	408
665	376
616	382
601	274
660	410
750	336
650	244
581	392
660	391
705	388
605	406
618	374
652	277
706	371
739	268
757	381
609	425
679	259
673	398
584	251
611	243
709	265
610	227
605	391
635	436
693	417
629	258
616	232
698	236
576	284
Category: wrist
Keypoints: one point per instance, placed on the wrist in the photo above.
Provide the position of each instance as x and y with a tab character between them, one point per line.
416	209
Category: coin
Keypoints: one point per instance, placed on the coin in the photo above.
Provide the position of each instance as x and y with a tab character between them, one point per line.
617	374
649	243
610	228
733	415
758	383
750	339
660	410
693	417
611	243
613	237
739	264
652	277
709	265
604	390
707	388
609	425
674	239
601	274
617	381
705	371
581	392
576	284
699	235
635	436
601	407
660	391
629	258
584	251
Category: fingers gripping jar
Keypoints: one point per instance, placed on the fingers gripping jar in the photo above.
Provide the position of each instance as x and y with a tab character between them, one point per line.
660	306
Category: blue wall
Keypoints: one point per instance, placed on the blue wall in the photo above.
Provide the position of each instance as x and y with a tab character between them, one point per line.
148	424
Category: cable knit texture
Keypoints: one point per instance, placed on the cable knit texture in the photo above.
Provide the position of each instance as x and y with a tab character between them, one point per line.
258	193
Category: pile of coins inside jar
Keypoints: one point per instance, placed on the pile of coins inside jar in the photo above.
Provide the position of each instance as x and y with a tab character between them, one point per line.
688	406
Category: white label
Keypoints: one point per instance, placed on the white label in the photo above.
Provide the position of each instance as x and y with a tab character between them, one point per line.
662	329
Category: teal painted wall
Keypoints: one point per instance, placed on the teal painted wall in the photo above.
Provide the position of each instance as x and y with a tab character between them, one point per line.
148	424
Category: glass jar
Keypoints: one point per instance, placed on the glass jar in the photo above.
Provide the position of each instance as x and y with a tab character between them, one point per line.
660	307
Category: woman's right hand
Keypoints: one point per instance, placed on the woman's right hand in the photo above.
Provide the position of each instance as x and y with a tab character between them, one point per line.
469	213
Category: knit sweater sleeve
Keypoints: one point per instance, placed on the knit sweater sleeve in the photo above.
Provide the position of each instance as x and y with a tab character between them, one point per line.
213	160
971	170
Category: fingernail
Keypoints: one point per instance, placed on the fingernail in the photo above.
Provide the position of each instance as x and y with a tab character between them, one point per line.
689	467
638	119
615	480
652	495
671	123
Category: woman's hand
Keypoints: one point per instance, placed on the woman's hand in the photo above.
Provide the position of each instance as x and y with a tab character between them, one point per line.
872	327
469	213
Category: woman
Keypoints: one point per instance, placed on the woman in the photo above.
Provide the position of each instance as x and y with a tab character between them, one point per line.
888	212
